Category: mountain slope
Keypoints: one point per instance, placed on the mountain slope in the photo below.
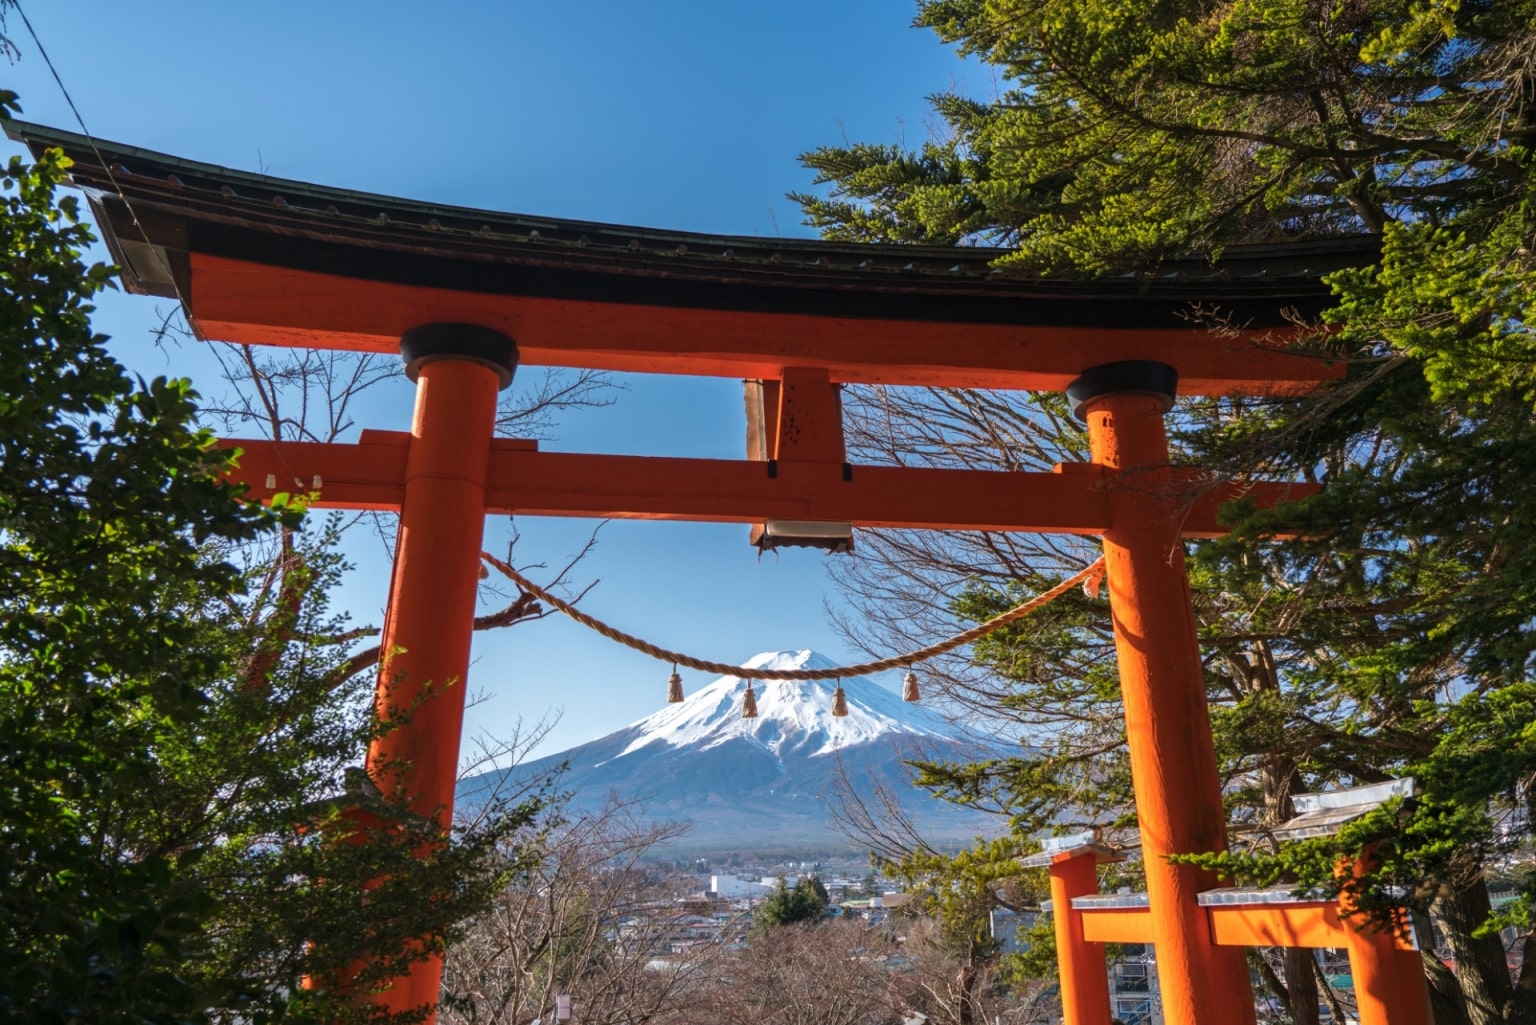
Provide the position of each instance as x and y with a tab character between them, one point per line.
762	783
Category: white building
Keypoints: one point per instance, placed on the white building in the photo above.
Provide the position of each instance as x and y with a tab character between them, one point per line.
728	887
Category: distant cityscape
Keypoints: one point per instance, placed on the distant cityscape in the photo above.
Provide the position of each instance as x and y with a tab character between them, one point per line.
715	909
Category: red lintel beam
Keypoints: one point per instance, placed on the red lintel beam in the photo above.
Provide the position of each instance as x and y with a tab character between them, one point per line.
523	481
1116	924
1298	924
238	301
369	474
722	491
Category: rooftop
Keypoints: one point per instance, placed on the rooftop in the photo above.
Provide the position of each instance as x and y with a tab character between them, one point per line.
255	258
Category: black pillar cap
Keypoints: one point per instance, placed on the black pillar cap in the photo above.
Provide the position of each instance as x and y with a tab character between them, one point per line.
1144	376
425	343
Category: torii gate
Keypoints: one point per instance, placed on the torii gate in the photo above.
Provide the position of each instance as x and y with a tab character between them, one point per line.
465	295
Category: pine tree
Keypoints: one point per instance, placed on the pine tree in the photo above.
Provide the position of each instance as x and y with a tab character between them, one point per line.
1370	648
805	902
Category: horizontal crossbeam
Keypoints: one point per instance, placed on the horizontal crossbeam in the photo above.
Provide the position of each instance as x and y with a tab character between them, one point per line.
261	304
1310	924
1116	925
1302	923
524	481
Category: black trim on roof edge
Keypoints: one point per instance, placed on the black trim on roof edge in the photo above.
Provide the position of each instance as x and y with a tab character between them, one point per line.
154	208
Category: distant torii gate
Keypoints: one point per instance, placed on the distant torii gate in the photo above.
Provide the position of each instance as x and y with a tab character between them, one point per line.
266	261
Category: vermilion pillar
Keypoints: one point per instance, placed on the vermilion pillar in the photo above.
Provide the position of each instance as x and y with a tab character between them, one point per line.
458	370
1173	761
1389	982
1084	975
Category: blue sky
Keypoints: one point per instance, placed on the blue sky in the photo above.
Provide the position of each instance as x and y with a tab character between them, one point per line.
674	113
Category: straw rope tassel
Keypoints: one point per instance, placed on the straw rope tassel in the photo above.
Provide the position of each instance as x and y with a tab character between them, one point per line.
839	701
1095	579
674	687
749	703
909	690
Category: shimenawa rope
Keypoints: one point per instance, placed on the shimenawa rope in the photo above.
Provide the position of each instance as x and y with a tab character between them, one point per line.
1090	576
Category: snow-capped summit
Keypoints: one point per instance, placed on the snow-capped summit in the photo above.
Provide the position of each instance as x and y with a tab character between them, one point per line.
792	715
764	782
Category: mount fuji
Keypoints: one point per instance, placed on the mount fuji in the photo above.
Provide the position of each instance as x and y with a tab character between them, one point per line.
763	784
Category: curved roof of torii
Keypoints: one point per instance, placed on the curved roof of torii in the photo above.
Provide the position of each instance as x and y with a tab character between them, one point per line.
265	260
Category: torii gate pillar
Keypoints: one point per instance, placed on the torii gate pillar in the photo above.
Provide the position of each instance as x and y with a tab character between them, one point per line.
458	370
1173	760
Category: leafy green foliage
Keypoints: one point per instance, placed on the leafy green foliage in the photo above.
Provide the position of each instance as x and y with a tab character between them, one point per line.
1074	773
1394	636
174	842
960	891
1129	132
805	902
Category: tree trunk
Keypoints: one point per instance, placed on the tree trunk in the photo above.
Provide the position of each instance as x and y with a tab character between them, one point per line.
1301	985
1279	779
1480	965
1525	991
1335	1009
965	982
1445	997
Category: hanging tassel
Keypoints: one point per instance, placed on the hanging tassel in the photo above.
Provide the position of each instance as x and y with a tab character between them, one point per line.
1094	581
749	703
909	690
839	701
674	687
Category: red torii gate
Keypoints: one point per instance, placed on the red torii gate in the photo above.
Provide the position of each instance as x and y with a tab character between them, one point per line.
265	261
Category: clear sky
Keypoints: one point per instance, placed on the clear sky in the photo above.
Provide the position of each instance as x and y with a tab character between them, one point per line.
673	113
